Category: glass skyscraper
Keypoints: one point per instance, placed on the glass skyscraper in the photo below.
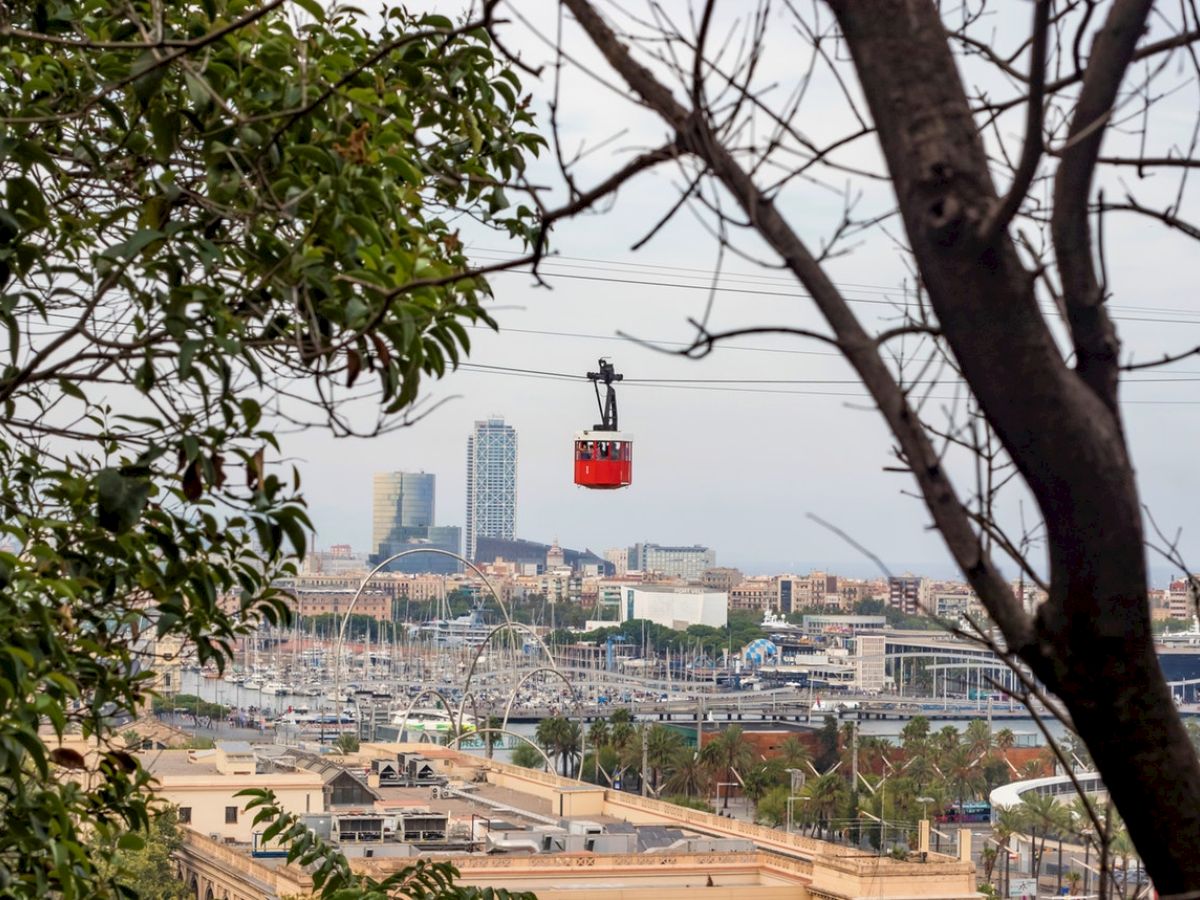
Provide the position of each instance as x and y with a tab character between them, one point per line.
491	482
402	519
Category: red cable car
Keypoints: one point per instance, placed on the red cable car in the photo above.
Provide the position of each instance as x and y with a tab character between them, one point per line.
604	456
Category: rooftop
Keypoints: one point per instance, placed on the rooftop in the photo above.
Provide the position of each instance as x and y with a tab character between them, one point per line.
521	829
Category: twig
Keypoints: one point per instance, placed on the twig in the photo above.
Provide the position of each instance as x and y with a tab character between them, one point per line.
1031	152
851	541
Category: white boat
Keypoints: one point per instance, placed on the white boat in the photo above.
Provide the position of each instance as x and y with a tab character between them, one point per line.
467	630
277	688
430	721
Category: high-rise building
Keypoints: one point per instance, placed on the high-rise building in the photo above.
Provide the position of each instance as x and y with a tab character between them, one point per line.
909	594
619	557
400	500
687	563
491	482
402	519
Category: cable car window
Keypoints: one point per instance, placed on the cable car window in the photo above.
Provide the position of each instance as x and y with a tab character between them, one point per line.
603	450
582	451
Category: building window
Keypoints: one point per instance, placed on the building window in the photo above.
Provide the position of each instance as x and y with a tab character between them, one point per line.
231	815
185	815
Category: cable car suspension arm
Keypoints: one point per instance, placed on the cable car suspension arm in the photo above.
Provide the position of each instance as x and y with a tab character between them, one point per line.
608	408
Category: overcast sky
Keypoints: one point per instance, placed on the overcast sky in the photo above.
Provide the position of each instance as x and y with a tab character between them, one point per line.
737	466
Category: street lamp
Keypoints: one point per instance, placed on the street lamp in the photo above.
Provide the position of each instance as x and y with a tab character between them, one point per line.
925	801
790	800
924	829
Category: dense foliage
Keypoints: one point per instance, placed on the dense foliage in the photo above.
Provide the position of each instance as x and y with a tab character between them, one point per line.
219	220
143	864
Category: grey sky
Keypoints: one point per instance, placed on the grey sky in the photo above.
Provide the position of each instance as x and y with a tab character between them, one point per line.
739	468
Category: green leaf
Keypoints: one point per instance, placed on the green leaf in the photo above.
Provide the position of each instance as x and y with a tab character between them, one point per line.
146	85
130	841
313	8
120	499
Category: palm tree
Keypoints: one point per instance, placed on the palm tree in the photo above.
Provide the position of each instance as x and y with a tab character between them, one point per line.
620	716
569	745
794	753
826	797
963	774
620	729
493	737
1005	739
988	857
978	737
546	734
598	736
946	742
1121	845
758	780
1035	768
688	774
873	753
920	769
561	739
1044	814
1008	822
915	733
661	745
727	754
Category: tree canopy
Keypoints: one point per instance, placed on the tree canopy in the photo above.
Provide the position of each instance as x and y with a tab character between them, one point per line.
221	220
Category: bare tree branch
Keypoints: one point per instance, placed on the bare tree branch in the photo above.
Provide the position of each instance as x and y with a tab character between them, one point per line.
1095	339
1031	152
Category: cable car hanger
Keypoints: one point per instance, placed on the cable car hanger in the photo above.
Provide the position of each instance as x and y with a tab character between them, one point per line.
608	408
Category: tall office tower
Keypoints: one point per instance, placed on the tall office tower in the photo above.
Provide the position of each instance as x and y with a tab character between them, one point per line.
491	482
399	500
402	519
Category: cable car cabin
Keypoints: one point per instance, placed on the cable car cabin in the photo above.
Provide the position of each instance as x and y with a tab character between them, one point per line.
603	459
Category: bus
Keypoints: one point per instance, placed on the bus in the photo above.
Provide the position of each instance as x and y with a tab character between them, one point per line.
968	811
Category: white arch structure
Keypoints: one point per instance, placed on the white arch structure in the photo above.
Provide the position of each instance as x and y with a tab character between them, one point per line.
430	692
542	669
507	625
577	702
510	625
520	737
337	661
504	626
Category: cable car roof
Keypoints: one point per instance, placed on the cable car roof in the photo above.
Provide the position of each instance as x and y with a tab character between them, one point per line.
603	436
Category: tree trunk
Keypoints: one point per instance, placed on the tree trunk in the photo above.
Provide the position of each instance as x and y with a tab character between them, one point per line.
1093	643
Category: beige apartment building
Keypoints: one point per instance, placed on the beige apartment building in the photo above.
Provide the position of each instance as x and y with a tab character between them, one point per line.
815	590
754	594
566	840
204	785
722	578
375	604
